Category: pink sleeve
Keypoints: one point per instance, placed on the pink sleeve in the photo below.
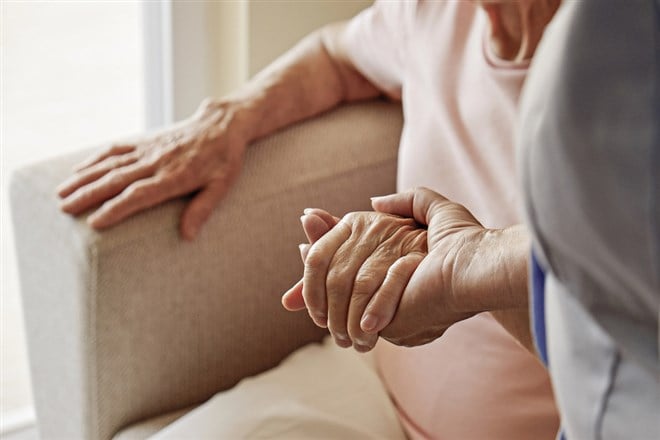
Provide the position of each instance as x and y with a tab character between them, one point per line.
375	43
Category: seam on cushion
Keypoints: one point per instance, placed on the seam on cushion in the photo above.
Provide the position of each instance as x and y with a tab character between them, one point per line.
600	416
91	352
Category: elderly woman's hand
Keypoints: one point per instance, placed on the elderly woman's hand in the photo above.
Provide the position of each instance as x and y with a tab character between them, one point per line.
200	154
365	258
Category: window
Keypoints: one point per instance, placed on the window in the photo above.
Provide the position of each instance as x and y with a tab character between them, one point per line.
72	76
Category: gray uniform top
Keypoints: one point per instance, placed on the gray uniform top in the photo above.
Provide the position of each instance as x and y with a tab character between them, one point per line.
590	160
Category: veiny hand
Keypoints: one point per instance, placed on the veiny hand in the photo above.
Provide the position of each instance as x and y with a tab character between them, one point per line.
356	266
202	153
427	292
451	282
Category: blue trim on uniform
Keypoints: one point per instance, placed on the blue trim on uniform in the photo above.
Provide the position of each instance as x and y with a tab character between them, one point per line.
538	309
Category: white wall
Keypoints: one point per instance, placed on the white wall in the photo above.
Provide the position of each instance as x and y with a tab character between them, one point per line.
275	25
219	45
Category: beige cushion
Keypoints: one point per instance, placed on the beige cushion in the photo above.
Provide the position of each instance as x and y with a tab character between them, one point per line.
133	323
151	426
320	391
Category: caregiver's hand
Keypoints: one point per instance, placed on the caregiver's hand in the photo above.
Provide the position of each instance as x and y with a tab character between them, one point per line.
199	154
357	266
468	269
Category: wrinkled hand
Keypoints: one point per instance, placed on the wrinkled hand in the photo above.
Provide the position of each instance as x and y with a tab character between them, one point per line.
428	292
449	282
198	154
354	268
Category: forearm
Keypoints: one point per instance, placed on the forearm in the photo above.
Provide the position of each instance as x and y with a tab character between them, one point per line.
312	77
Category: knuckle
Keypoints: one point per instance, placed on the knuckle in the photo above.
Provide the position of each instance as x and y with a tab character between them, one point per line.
383	221
315	261
350	218
114	177
136	191
366	282
397	273
336	281
120	148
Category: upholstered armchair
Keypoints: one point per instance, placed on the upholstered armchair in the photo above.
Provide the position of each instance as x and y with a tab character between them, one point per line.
130	328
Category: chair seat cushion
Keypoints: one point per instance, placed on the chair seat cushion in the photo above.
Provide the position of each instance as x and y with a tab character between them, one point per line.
320	390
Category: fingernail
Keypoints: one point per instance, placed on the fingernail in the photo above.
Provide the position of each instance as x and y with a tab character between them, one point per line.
302	218
361	348
376	198
343	341
369	322
307	211
321	321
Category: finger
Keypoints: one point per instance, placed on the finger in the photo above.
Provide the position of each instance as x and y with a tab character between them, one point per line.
108	186
328	218
367	281
381	309
342	273
316	271
304	250
115	150
93	173
200	208
418	203
138	196
315	227
292	300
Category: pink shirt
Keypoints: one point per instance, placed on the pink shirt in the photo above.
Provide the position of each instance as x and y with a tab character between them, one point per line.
460	104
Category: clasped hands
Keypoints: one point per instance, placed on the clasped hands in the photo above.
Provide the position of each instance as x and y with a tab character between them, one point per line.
401	272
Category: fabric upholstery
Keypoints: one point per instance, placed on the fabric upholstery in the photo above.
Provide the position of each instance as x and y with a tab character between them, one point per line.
149	427
133	322
320	391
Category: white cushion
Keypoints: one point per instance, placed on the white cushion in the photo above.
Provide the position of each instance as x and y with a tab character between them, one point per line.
320	391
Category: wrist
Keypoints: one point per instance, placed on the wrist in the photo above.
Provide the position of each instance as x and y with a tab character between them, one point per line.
494	274
231	114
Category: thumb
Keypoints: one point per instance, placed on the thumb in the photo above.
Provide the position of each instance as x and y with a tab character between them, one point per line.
292	300
418	203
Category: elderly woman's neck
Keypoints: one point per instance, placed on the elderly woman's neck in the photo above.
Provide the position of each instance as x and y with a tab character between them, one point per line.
516	27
